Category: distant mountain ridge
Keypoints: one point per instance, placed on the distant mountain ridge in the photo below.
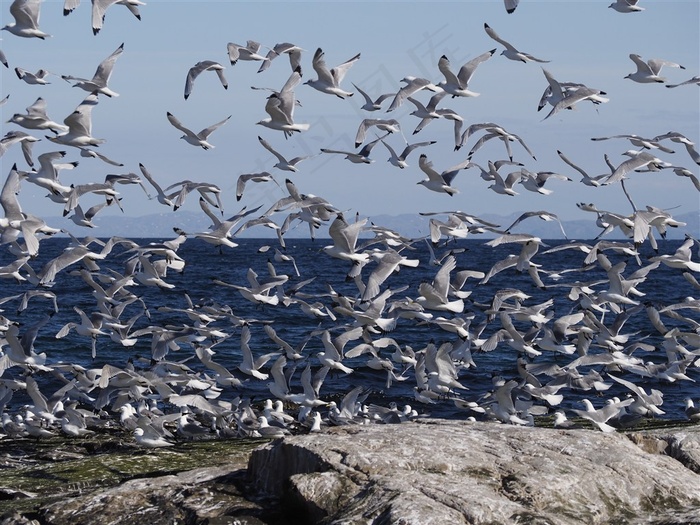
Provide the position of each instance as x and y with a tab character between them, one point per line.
160	225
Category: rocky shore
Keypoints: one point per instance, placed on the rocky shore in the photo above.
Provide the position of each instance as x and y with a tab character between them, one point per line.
423	472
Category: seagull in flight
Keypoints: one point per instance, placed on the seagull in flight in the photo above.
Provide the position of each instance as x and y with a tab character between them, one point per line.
99	9
400	160
292	50
456	85
248	52
200	67
439	182
328	81
26	15
280	107
626	6
196	139
510	51
648	72
370	104
511	5
98	83
282	162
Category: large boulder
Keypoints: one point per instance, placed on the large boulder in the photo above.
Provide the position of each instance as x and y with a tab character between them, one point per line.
441	472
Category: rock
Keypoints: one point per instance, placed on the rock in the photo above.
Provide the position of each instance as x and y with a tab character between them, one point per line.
681	444
459	472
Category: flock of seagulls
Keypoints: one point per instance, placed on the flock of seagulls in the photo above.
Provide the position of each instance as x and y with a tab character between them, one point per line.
572	342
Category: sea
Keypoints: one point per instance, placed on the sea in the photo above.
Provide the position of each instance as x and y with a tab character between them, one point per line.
205	263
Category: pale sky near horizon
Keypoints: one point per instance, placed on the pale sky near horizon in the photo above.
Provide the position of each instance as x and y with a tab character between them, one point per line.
585	41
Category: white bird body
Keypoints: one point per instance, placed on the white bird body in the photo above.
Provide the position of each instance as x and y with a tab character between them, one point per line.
457	85
26	14
328	81
196	139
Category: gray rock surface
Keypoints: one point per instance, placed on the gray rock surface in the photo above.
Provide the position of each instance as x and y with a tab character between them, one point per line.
481	473
424	472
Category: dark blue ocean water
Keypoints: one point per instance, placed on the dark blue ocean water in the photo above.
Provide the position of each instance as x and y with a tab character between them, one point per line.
205	262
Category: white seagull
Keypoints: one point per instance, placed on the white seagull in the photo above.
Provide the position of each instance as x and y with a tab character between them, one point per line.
510	51
457	85
439	182
626	6
511	5
196	139
280	107
328	81
388	125
37	118
200	67
292	50
26	15
99	81
400	160
79	124
248	52
282	163
36	79
648	72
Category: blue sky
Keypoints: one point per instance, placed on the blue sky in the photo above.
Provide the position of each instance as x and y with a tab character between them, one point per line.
585	42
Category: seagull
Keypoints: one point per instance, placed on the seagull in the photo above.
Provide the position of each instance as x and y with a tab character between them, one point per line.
244	178
362	156
691	411
24	139
544	215
434	296
413	84
79	124
556	91
640	159
535	181
344	237
430	112
511	5
695	80
99	8
148	437
373	105
292	50
26	15
199	67
400	160
280	107
626	6
600	416
38	78
248	52
388	125
3	61
648	72
439	182
219	233
282	162
248	365
196	139
639	142
161	196
566	98
594	181
37	118
456	85
492	131
99	81
510	51
328	81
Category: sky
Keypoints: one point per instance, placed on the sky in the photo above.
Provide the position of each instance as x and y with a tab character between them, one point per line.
585	42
